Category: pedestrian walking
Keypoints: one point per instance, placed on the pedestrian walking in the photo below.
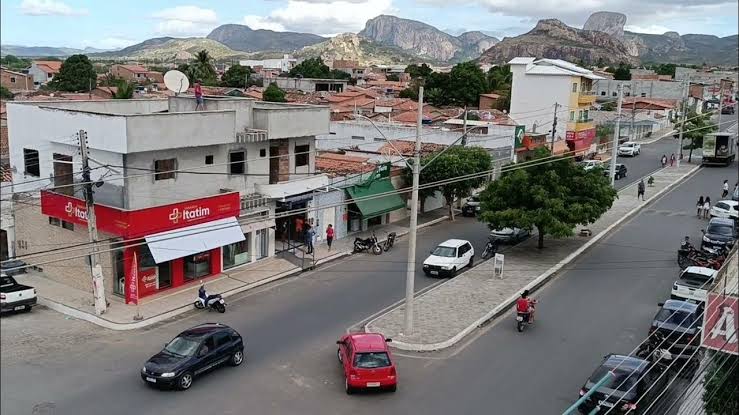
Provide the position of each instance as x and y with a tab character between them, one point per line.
310	233
672	159
329	235
699	207
706	207
640	190
725	190
199	103
663	160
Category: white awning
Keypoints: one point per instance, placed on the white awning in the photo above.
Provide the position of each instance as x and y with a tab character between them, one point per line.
166	246
292	187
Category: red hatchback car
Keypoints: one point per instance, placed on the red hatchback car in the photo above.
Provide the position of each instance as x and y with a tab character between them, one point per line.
367	362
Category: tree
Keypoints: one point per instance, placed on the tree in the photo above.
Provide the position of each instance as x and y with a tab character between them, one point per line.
202	69
5	93
721	384
604	132
418	71
76	74
338	74
124	91
608	106
666	69
454	162
273	93
622	73
499	78
466	83
696	127
392	77
15	63
409	93
552	197
236	76
310	68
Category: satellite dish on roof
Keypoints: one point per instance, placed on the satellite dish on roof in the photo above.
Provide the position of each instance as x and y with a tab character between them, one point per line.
176	81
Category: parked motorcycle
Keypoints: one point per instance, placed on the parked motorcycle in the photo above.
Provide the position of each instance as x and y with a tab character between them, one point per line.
213	302
367	244
491	248
389	242
688	256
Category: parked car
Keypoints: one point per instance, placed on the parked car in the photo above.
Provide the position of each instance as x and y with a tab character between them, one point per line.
367	362
194	352
720	233
471	206
509	235
13	267
735	194
449	257
591	164
630	384
725	209
679	322
621	171
693	285
629	148
14	296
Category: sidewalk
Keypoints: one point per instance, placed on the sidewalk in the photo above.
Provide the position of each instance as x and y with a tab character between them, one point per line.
450	311
165	305
658	135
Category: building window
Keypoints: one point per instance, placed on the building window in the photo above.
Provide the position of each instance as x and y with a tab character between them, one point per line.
627	94
357	137
262	152
236	253
54	221
236	162
67	225
602	93
30	160
572	115
209	159
301	155
379	139
62	223
12	79
643	94
615	94
574	87
585	115
164	169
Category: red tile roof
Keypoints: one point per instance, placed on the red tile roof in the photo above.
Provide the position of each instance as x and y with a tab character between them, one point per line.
135	68
49	66
336	164
406	148
649	103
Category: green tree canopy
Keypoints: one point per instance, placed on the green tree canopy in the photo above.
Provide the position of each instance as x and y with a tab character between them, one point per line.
622	73
409	93
273	93
721	383
15	63
455	162
310	68
337	74
201	68
236	76
552	197
125	90
696	127
499	78
392	77
76	74
466	83
418	71
665	69
5	93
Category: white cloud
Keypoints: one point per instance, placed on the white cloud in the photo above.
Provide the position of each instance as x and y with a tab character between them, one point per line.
651	29
185	21
323	16
49	8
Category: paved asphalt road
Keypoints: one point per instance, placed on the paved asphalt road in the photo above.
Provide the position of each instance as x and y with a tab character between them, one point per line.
62	366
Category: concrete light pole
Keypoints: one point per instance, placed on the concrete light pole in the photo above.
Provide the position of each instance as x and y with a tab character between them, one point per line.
683	108
411	271
616	136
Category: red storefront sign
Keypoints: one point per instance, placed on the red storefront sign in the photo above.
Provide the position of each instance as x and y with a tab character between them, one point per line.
580	140
721	324
142	222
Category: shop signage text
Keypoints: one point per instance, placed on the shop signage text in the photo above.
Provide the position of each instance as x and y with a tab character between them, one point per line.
720	325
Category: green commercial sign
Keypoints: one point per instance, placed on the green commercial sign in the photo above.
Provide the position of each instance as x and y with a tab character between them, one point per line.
520	130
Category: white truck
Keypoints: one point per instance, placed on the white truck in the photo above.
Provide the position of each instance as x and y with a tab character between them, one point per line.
719	148
14	296
629	148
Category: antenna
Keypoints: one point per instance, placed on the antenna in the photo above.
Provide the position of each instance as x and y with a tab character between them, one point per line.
176	81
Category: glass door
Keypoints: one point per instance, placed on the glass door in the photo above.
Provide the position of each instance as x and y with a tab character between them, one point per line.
165	275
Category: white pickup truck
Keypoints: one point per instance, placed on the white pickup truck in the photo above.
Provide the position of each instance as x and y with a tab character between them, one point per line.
693	284
629	148
14	296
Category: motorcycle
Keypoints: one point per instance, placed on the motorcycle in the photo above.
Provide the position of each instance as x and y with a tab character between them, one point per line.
491	248
213	302
389	242
361	245
687	256
523	319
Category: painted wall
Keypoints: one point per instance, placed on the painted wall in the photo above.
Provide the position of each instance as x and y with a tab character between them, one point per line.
285	121
533	98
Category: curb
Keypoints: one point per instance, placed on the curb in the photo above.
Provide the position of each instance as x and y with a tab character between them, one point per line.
532	286
103	322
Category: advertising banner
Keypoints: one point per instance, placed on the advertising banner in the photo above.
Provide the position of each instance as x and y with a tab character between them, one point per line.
720	324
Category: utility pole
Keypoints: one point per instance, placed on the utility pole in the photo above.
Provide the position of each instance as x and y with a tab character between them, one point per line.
616	136
682	124
720	102
411	271
98	290
554	125
464	127
632	135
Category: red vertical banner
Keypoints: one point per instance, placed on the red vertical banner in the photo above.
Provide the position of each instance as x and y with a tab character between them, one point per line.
133	289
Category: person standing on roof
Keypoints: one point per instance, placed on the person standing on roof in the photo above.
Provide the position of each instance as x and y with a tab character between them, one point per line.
199	103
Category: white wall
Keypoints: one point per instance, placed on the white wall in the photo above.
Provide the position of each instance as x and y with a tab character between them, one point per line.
174	130
285	121
533	98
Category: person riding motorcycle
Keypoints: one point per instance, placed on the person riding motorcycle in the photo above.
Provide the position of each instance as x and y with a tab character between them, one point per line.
525	305
685	244
202	295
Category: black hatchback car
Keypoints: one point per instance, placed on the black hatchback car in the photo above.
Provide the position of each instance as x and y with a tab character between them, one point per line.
619	394
192	353
679	321
621	171
720	233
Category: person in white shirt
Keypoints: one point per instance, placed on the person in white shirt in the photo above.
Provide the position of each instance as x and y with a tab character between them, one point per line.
725	191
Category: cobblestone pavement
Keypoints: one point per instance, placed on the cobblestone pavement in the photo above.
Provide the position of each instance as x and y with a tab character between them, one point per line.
443	314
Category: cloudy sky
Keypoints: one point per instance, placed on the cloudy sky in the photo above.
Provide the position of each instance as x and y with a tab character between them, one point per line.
114	24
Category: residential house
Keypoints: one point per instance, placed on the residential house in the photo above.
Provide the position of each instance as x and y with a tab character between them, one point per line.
488	101
43	71
136	73
283	64
544	88
353	68
15	81
164	225
309	84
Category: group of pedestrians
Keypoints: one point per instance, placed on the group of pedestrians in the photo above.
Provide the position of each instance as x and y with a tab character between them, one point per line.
663	160
703	207
310	236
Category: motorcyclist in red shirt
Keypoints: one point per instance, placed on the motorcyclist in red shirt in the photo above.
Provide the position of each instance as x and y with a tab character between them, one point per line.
526	305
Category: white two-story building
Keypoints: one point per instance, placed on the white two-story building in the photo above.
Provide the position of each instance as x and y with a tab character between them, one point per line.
180	194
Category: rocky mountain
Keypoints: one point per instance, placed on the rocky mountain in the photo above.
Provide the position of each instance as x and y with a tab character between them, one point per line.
694	49
349	46
425	40
41	51
243	38
607	22
551	38
171	49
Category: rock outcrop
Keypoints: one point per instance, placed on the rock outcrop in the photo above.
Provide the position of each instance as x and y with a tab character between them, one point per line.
607	22
243	38
553	39
349	46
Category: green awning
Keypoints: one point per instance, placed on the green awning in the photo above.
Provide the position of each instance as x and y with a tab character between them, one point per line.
376	206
